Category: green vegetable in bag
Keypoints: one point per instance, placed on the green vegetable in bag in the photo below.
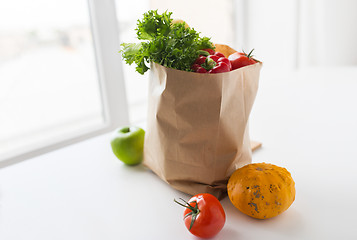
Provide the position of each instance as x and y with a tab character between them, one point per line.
170	44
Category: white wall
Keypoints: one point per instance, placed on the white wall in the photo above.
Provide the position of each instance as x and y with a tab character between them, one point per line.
302	33
328	33
210	17
270	28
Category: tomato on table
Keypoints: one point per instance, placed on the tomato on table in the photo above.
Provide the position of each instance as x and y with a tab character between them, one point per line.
204	215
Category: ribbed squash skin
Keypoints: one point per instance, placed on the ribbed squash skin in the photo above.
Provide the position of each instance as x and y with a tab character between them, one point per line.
261	190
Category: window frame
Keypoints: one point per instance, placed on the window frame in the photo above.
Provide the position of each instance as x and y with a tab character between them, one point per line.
105	33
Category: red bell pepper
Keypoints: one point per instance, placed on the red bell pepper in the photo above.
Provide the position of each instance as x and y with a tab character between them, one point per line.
216	62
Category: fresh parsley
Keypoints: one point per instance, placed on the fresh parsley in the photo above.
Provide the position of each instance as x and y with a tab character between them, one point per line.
165	43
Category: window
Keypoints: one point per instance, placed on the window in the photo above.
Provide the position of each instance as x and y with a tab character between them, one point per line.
60	80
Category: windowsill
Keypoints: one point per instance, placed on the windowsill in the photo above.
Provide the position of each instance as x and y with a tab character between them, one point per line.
306	123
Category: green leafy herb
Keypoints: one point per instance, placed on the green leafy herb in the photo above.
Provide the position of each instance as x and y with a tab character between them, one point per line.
171	45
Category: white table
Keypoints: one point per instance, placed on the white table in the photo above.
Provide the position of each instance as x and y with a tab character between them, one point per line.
307	123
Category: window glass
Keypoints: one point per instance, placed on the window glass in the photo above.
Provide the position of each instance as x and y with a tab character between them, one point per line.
48	79
128	12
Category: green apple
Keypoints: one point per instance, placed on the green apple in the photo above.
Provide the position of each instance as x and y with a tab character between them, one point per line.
127	144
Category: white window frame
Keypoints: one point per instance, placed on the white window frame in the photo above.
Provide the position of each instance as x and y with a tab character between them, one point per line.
106	44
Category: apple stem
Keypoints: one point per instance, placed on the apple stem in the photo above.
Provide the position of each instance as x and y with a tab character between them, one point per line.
125	130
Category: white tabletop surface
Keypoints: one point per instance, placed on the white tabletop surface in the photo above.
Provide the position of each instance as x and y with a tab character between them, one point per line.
307	122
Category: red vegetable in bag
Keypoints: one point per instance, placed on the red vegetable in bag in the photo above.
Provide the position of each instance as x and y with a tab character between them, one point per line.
239	60
216	62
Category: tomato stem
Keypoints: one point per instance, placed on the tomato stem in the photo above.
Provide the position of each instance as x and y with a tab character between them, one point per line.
250	54
194	210
189	206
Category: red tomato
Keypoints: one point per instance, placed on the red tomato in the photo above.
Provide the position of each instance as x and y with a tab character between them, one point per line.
239	60
204	215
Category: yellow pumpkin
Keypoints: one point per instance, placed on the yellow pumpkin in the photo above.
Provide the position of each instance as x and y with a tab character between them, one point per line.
261	190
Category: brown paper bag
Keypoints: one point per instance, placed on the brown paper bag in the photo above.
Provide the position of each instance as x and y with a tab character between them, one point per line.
197	133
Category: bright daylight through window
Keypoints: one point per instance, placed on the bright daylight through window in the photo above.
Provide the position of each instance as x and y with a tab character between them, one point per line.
48	79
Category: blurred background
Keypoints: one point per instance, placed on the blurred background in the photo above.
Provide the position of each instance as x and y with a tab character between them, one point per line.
48	67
